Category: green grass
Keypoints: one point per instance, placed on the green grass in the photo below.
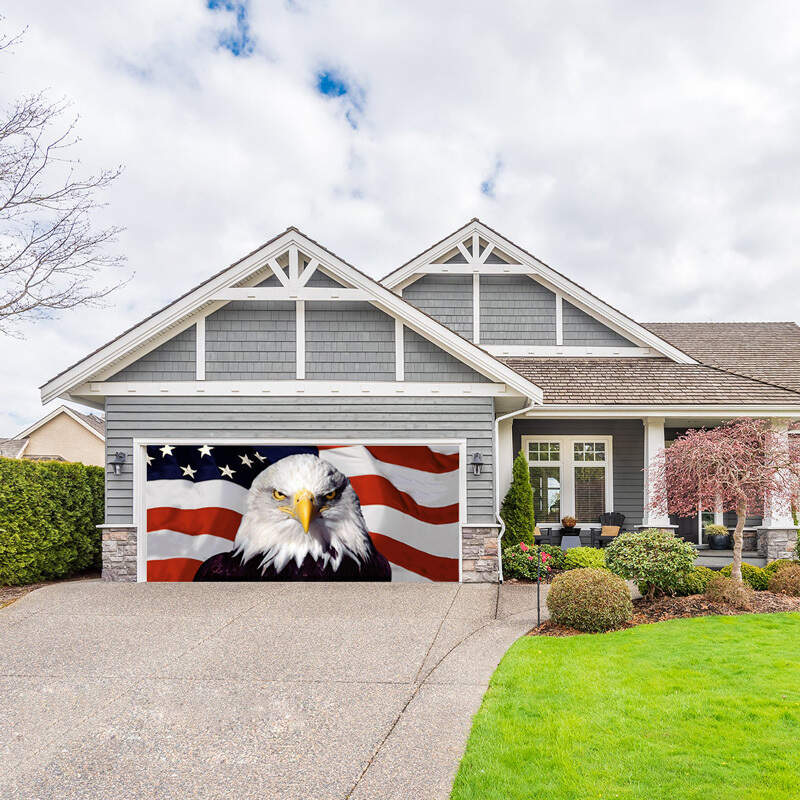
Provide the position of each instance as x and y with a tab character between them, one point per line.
694	708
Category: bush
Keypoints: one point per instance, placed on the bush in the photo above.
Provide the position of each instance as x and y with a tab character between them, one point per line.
755	577
516	510
656	560
694	582
578	557
49	511
590	600
522	561
786	581
556	555
715	530
730	593
778	564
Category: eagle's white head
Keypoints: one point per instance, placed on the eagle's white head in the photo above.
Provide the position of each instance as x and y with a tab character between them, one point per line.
302	505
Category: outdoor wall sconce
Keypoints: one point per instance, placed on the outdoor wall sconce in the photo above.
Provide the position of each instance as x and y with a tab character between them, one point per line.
117	460
477	463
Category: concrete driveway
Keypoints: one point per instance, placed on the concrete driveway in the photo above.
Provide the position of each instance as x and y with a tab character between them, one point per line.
245	690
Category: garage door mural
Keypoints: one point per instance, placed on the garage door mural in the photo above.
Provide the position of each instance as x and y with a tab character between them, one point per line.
277	513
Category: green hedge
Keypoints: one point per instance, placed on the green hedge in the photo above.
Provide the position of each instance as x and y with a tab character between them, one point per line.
49	511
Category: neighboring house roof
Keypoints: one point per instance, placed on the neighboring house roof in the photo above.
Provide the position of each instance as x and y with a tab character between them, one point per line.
636	381
91	422
766	351
12	448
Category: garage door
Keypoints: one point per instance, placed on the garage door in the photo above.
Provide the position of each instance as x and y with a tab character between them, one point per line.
296	512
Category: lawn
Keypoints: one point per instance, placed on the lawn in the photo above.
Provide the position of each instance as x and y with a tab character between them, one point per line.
691	708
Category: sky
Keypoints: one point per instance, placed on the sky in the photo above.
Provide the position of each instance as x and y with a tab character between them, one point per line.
649	151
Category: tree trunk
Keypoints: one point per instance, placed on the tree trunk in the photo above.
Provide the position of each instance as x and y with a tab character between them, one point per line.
741	516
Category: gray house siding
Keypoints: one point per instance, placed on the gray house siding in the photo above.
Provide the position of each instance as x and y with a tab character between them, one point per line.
447	298
323	418
320	280
426	362
516	310
348	341
582	330
172	361
251	340
627	455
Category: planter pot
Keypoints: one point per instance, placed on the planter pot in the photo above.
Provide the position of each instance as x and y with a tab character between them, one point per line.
570	531
719	541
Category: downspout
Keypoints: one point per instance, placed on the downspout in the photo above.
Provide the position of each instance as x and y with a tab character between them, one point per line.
497	422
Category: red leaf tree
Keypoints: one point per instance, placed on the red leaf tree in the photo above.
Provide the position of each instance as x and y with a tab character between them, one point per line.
745	466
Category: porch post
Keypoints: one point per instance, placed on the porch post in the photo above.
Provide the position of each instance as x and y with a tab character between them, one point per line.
777	535
778	514
653	443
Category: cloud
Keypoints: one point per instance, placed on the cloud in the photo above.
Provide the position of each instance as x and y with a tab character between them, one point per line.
648	151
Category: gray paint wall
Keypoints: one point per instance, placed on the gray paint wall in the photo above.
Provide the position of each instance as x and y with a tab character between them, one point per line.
582	330
172	361
348	341
426	362
203	418
447	298
516	310
627	449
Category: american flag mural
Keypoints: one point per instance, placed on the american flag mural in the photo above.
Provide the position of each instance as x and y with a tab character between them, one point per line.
196	495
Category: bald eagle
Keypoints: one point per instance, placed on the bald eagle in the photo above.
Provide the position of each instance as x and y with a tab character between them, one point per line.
303	523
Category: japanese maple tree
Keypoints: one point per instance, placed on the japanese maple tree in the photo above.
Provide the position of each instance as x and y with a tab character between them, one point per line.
734	467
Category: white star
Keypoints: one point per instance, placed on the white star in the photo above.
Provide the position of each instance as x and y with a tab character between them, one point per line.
166	450
260	457
205	450
227	472
246	460
188	472
148	458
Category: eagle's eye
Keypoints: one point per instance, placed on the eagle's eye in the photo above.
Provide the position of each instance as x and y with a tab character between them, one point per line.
330	495
278	495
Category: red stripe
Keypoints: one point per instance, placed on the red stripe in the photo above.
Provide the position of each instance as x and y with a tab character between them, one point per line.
173	569
375	490
436	568
409	455
195	521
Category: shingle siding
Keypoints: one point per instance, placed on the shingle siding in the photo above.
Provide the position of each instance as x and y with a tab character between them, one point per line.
627	455
516	310
323	418
447	298
582	330
426	362
348	341
251	340
172	361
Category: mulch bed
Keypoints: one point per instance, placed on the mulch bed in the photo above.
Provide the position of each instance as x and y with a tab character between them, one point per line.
8	594
695	605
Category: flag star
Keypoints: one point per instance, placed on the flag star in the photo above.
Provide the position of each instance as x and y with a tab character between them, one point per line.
260	457
188	472
205	450
166	450
148	458
227	472
246	460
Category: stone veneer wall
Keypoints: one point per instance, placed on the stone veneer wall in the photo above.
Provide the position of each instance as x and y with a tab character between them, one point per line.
776	543
479	555
119	553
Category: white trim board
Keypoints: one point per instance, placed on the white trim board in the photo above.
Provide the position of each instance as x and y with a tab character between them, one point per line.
567	351
640	410
52	415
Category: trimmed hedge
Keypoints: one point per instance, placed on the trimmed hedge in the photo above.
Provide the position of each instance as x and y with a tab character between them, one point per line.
730	593
580	557
778	564
755	577
49	511
786	581
694	582
591	600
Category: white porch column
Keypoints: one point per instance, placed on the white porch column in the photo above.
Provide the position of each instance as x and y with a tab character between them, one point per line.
653	443
505	456
778	514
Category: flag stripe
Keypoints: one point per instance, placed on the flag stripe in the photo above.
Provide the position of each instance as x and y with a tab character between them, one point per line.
166	543
173	569
417	457
433	567
220	522
375	490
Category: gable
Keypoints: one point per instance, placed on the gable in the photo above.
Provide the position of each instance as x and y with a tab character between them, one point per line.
447	298
172	361
516	310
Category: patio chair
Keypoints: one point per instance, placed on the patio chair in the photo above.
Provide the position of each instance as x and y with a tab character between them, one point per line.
610	526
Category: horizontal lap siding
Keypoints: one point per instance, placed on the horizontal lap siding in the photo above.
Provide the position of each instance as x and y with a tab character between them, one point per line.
299	418
447	298
172	361
582	330
516	310
627	450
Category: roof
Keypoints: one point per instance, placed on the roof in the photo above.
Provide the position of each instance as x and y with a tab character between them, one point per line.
766	351
92	422
650	381
12	448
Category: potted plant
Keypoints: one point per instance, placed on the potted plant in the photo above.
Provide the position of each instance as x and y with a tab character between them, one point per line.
718	537
568	526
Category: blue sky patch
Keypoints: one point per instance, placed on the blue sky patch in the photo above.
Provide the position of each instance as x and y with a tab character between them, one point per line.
331	83
237	39
490	183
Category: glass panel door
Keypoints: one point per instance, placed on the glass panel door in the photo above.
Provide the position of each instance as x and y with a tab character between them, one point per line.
546	484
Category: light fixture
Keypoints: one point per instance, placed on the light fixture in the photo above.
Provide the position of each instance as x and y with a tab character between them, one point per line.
117	460
477	463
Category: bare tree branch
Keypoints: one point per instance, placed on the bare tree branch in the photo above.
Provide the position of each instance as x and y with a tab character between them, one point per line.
52	255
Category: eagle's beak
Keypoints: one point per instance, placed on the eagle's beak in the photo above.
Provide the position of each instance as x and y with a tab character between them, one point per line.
304	508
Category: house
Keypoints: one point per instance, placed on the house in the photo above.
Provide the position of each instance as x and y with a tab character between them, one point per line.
62	435
474	345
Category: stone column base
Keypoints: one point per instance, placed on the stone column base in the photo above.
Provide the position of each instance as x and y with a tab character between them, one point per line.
119	553
776	543
479	555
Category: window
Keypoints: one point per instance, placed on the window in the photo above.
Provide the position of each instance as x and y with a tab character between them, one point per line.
570	476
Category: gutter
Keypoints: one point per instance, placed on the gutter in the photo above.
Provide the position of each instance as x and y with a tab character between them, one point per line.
497	422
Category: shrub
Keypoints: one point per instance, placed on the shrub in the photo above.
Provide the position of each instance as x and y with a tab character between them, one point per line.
755	577
656	560
517	508
590	600
569	522
694	582
786	581
715	530
578	557
730	593
49	511
778	564
522	561
556	555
